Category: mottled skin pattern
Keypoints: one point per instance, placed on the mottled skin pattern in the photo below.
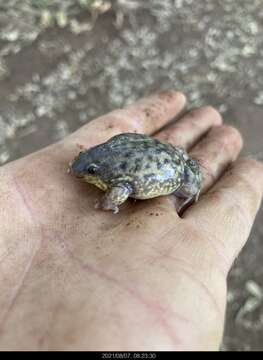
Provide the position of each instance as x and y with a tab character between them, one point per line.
138	166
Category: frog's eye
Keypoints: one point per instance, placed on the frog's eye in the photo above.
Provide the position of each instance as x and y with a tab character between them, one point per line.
92	169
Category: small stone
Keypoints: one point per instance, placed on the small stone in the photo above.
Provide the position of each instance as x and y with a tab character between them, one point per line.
41	111
248	50
254	289
62	19
4	156
72	95
78	28
10	36
61	129
46	18
259	98
83	117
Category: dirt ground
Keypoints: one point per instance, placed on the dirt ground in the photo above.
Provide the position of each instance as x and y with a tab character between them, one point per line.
63	64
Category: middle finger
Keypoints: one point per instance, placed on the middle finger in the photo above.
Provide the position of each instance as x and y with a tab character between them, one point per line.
191	127
218	148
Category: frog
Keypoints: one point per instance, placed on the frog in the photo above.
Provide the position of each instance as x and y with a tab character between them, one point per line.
138	166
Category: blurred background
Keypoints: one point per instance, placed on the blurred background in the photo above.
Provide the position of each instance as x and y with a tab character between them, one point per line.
64	62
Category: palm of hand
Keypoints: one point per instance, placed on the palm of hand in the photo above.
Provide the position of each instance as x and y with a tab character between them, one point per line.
145	279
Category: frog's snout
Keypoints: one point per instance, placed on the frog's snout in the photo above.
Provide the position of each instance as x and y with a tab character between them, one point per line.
76	168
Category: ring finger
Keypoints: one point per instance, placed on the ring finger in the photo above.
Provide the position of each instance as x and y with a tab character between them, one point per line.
215	152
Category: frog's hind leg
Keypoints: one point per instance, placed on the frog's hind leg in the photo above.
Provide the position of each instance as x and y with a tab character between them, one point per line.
184	200
189	190
183	203
114	197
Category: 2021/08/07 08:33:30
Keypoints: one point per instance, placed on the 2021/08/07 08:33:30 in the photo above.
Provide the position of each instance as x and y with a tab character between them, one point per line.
128	355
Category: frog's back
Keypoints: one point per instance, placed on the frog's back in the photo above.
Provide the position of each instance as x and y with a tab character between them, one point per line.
140	143
152	167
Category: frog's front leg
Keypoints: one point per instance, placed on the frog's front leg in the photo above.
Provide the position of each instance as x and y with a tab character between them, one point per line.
114	197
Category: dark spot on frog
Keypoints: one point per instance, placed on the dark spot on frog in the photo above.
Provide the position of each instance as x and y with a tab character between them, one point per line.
147	166
137	167
123	166
159	165
128	154
145	146
128	224
150	158
176	161
166	161
156	214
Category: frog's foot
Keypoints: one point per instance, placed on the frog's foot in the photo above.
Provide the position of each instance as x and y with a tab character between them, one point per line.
114	197
183	204
106	206
182	201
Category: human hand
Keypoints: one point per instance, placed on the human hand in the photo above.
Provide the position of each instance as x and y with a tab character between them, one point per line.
73	277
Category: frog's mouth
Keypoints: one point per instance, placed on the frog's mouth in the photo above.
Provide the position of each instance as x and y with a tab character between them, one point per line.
95	181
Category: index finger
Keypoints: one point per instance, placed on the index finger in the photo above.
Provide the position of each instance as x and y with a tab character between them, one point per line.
145	116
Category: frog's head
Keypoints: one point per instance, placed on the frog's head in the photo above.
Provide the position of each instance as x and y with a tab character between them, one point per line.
93	166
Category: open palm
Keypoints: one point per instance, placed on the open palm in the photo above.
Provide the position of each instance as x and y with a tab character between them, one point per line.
73	277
